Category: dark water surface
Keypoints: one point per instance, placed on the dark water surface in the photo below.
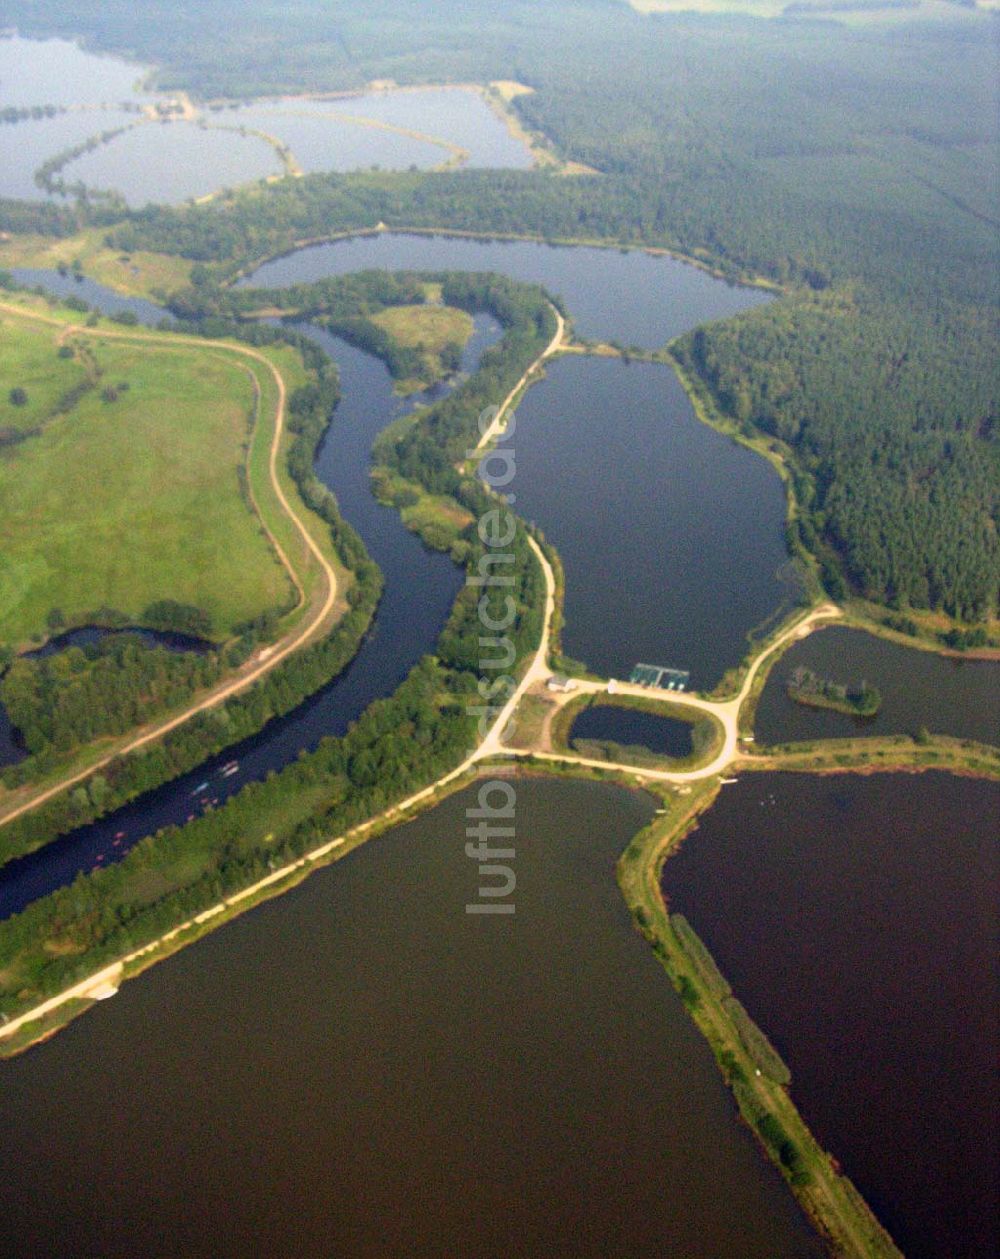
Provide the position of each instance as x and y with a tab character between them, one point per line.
631	727
946	694
856	918
671	535
361	1068
629	296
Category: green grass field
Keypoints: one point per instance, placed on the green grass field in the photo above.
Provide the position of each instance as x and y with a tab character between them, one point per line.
119	503
31	362
139	274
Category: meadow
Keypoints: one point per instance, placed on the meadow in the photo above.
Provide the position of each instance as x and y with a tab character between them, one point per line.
132	493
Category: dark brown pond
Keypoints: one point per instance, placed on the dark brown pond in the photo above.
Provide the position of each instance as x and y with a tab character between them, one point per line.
632	727
946	694
361	1068
855	917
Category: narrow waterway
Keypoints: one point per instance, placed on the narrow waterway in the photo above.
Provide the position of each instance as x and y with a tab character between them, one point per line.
420	588
609	291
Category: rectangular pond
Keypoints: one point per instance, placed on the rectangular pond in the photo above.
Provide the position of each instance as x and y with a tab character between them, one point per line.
856	919
945	694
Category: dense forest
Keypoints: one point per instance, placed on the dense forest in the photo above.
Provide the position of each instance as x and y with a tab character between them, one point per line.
894	421
76	695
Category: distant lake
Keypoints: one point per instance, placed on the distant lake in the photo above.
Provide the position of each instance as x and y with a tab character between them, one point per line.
946	694
176	161
59	72
170	162
25	146
856	918
362	1068
449	113
323	135
325	142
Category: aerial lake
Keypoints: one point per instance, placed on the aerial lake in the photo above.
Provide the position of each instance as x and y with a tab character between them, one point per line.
336	134
945	694
632	727
59	72
671	535
855	917
175	161
363	1068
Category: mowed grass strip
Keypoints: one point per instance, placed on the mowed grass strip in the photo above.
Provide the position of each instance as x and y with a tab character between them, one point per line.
286	533
29	355
125	502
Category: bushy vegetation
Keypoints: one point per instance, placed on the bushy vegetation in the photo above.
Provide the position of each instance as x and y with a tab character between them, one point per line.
756	1043
700	958
807	687
68	699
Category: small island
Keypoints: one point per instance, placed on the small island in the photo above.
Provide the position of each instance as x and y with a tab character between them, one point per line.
807	687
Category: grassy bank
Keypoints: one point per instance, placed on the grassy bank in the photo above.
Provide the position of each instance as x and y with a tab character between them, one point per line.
136	273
